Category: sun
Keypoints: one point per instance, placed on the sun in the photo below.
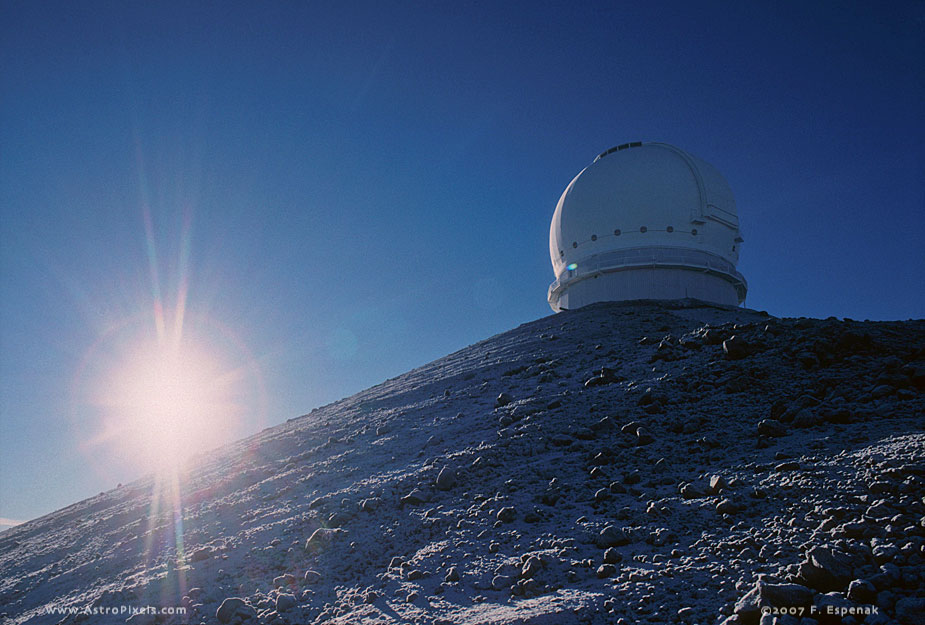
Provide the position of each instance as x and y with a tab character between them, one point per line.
170	398
150	398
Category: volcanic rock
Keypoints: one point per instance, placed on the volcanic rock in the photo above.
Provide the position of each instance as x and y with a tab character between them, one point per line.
235	607
446	479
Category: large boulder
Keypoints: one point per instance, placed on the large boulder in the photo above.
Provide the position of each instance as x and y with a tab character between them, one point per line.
611	536
285	602
322	538
826	569
235	607
446	479
765	595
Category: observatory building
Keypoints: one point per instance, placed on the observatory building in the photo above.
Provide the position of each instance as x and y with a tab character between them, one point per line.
645	221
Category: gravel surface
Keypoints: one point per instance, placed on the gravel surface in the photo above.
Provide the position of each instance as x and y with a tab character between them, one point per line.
624	463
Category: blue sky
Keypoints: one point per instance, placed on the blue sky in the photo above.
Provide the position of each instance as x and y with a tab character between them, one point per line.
344	191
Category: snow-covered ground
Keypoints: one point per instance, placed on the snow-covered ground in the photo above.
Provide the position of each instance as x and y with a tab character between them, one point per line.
623	463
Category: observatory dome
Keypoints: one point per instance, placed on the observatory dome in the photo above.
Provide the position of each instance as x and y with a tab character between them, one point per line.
645	221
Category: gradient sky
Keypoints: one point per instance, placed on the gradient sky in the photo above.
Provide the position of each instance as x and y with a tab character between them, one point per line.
344	191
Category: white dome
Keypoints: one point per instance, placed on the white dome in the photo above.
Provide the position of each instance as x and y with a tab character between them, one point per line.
645	221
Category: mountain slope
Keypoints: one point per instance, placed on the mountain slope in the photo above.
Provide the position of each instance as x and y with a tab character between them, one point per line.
517	481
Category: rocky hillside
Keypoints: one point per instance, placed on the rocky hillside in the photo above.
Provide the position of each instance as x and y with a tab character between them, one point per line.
623	463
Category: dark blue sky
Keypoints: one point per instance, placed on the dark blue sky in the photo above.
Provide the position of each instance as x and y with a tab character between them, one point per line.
348	190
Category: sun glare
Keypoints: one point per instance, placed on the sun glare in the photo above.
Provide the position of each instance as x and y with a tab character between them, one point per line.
164	379
170	400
